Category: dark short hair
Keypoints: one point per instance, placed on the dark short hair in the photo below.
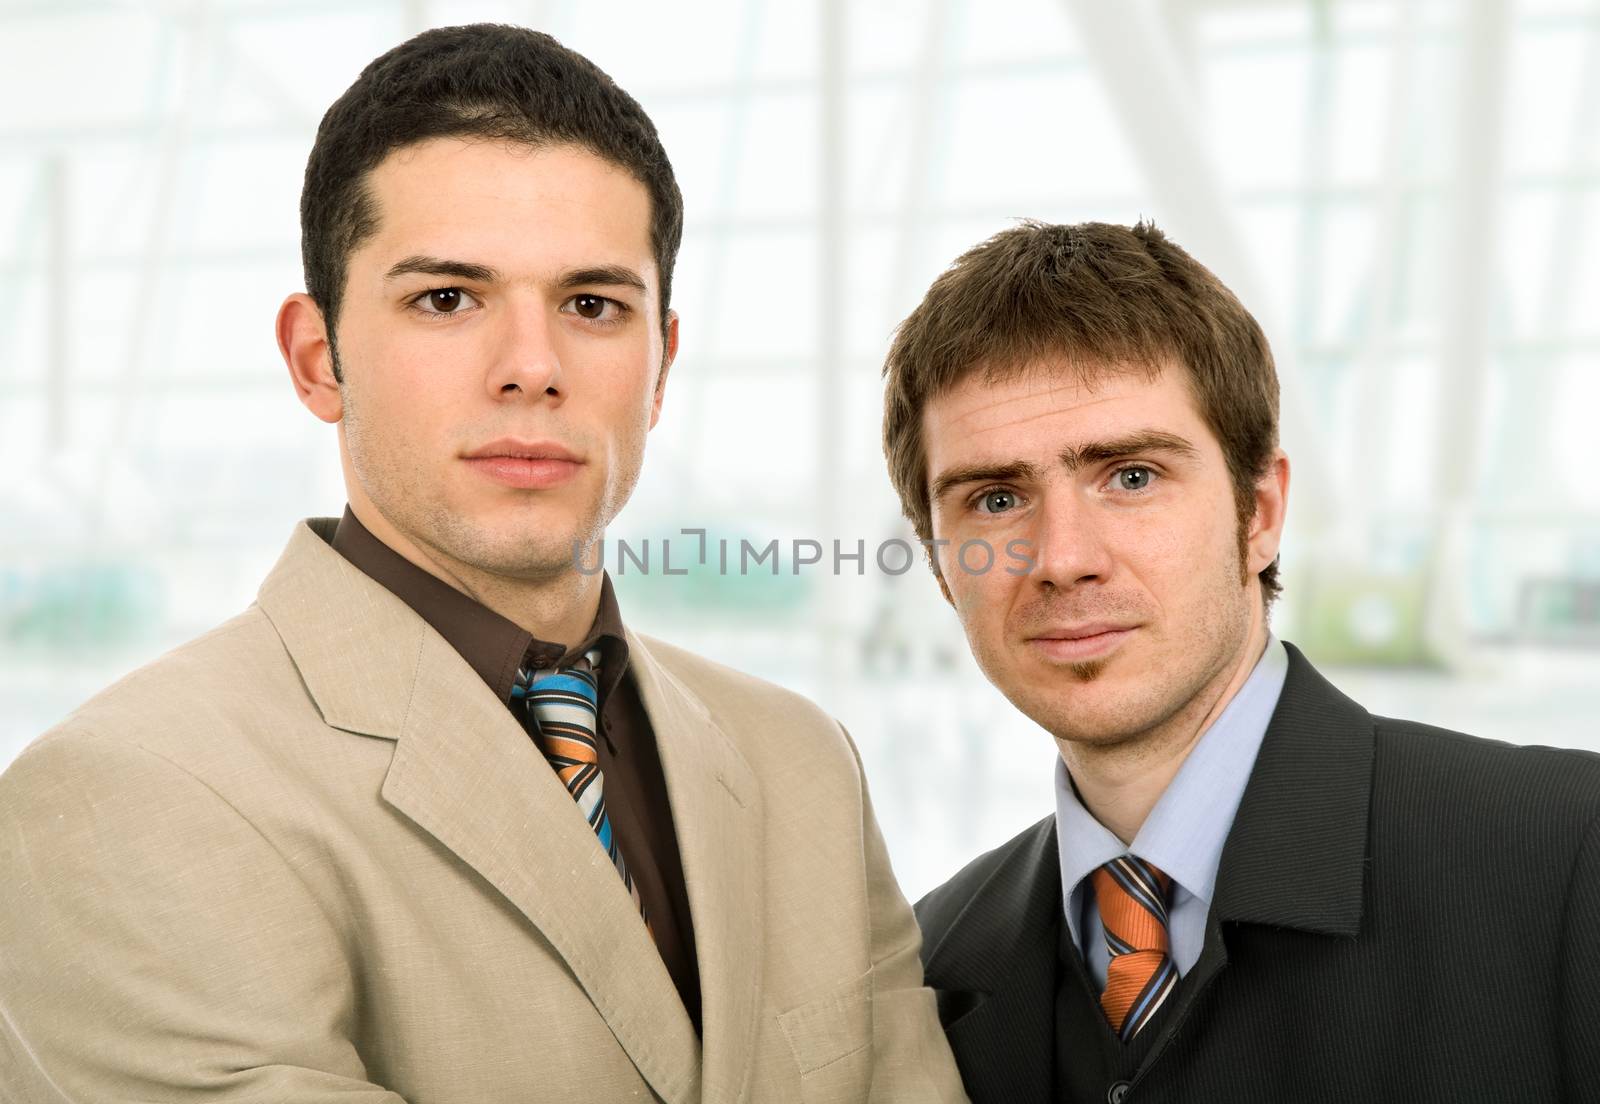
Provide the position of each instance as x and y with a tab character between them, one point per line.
1092	297
484	80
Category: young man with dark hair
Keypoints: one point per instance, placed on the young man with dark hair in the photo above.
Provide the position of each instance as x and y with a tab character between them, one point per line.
1251	889
428	822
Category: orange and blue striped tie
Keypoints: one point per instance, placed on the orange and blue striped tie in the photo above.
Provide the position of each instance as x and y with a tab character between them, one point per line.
562	704
1132	897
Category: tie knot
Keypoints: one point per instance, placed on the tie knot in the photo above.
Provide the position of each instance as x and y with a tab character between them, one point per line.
581	672
562	703
1133	896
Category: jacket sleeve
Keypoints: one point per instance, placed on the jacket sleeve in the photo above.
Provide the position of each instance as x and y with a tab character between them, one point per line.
911	1060
155	946
1580	979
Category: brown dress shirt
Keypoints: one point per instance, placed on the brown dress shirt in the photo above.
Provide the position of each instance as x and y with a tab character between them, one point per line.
636	789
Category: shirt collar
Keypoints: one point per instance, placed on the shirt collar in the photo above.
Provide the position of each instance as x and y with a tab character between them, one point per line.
492	645
1185	831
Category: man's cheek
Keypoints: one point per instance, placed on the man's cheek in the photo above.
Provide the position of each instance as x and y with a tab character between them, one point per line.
981	617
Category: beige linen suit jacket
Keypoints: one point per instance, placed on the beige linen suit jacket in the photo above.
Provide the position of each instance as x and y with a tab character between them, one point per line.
310	857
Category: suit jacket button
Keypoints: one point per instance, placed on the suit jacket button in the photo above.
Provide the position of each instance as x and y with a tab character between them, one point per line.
1117	1091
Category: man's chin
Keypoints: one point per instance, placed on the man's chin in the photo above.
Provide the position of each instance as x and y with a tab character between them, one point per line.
1053	675
522	553
1090	713
538	562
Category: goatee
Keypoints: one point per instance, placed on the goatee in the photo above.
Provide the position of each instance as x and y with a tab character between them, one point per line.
1087	671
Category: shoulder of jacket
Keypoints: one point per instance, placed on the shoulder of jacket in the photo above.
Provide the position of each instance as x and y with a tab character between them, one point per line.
198	689
940	907
1526	783
718	685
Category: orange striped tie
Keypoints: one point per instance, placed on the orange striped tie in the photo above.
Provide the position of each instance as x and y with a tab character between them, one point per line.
1132	896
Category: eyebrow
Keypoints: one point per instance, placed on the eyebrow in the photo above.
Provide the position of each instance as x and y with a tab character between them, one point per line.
1073	459
604	276
1149	440
950	478
601	275
437	266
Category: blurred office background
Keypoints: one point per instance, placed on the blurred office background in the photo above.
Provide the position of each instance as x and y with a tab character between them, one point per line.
1407	195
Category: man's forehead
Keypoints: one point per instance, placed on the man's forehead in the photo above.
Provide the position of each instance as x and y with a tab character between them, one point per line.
519	210
435	176
988	399
453	150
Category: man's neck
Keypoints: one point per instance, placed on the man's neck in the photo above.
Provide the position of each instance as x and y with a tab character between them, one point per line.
558	610
1119	784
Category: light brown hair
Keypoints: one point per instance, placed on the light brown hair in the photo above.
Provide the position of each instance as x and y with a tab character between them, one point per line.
1093	298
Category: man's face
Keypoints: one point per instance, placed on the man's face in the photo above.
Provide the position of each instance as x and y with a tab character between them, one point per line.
1137	609
502	352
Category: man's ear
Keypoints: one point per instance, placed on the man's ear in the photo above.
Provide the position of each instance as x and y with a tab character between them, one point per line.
669	353
303	341
1272	506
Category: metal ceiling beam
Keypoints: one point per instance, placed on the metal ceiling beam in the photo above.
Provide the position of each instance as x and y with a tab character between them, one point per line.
58	301
1462	375
927	103
832	291
1374	363
1473	242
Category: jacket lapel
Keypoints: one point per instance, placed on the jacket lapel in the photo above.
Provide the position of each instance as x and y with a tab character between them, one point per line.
1297	854
717	812
465	772
996	973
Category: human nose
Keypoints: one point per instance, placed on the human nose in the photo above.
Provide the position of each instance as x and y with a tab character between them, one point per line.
1070	543
526	361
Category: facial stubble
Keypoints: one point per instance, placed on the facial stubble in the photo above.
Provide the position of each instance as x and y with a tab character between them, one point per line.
419	511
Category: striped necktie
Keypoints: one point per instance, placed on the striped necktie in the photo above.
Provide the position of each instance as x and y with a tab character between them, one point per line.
1132	897
562	705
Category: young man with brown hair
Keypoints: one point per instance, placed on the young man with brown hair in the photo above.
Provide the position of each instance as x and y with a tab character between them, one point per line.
428	822
1251	889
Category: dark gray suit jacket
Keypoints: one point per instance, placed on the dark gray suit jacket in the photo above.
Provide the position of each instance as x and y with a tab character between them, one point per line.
1401	913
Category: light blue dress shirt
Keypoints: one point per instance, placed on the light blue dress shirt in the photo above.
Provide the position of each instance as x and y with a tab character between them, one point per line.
1184	833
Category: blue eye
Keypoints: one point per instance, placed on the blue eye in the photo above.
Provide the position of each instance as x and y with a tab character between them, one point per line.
1135	478
997	502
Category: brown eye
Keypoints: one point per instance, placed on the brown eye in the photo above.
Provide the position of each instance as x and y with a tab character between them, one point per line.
595	308
443	301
